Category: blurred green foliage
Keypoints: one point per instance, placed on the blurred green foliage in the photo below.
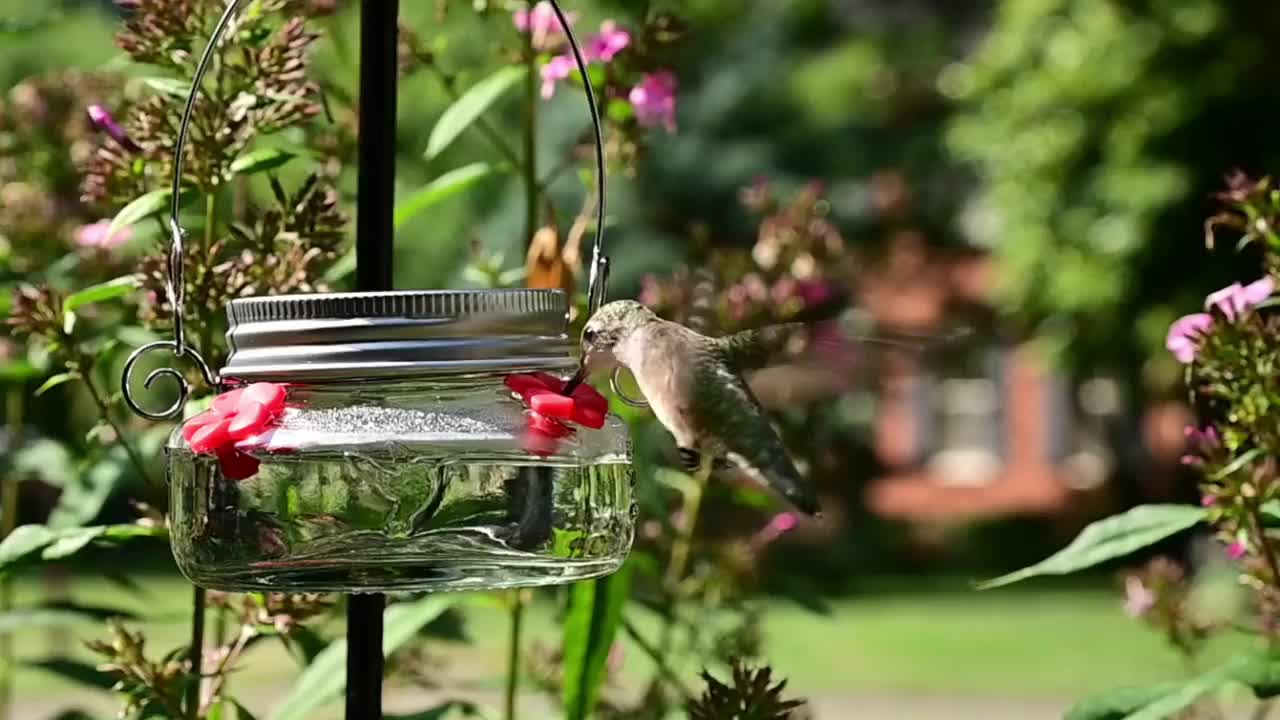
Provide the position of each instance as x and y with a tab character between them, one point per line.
1098	129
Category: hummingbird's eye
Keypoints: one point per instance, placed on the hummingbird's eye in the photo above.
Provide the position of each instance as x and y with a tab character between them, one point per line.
589	335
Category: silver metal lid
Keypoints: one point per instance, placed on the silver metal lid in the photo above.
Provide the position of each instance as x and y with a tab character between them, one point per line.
352	336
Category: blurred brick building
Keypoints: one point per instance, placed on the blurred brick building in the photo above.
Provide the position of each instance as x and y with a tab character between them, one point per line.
983	427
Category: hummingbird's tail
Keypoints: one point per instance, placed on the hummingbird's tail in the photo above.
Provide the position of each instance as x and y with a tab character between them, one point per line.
781	475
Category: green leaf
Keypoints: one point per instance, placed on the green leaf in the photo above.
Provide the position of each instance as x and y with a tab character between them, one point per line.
341	269
1119	703
471	106
169	86
242	712
46	459
260	161
81	673
85	493
27	542
1237	464
24	542
17	371
442	712
595	612
442	188
1257	670
55	381
140	209
324	680
1111	538
110	290
57	615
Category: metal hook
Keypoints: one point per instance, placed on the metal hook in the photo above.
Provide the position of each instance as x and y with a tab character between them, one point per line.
616	384
175	284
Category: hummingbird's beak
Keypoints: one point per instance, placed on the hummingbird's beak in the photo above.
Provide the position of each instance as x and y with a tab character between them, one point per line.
576	380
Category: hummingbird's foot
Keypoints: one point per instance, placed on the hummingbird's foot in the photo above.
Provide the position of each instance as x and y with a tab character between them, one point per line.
690	459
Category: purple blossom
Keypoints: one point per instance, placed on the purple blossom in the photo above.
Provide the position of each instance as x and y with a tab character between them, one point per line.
1184	336
557	68
611	41
1234	300
542	22
1138	598
654	100
104	121
99	236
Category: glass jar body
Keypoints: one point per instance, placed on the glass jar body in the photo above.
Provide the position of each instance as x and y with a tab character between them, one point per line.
412	485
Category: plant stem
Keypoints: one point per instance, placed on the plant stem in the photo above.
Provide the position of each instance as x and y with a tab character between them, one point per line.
1264	543
513	654
681	550
104	410
659	659
14	398
532	187
196	653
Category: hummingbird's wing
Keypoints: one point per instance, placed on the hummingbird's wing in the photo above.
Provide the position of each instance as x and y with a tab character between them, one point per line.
732	424
754	349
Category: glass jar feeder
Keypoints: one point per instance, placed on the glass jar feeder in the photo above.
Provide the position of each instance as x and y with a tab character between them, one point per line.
397	456
378	441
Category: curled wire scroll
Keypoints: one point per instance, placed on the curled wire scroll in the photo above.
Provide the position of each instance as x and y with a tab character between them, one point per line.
175	285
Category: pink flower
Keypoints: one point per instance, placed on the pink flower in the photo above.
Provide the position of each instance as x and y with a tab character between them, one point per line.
1138	598
99	235
235	416
1208	501
550	411
104	121
650	291
542	22
1234	300
654	100
557	68
779	525
1184	336
611	41
1236	550
617	656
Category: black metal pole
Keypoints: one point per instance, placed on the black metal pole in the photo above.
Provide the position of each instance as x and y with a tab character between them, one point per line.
374	253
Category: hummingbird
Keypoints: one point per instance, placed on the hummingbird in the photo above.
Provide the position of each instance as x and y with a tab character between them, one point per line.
694	385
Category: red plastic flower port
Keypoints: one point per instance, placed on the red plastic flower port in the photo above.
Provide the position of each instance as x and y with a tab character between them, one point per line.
235	416
550	410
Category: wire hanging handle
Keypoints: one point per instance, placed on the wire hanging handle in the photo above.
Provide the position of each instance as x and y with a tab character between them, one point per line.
175	284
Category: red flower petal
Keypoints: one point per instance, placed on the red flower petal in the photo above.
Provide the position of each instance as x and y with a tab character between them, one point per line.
226	403
250	419
210	437
548	426
236	465
588	417
270	395
552	404
589	397
523	384
190	427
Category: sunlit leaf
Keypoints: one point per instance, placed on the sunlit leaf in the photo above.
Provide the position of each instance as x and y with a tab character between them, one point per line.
324	680
595	612
442	188
139	210
1112	538
55	381
110	290
447	711
260	161
28	543
471	106
169	86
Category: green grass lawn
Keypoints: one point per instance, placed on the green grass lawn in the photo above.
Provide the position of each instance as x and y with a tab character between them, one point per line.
1056	642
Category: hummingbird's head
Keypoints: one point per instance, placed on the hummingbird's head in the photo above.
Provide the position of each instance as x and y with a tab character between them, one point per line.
610	327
